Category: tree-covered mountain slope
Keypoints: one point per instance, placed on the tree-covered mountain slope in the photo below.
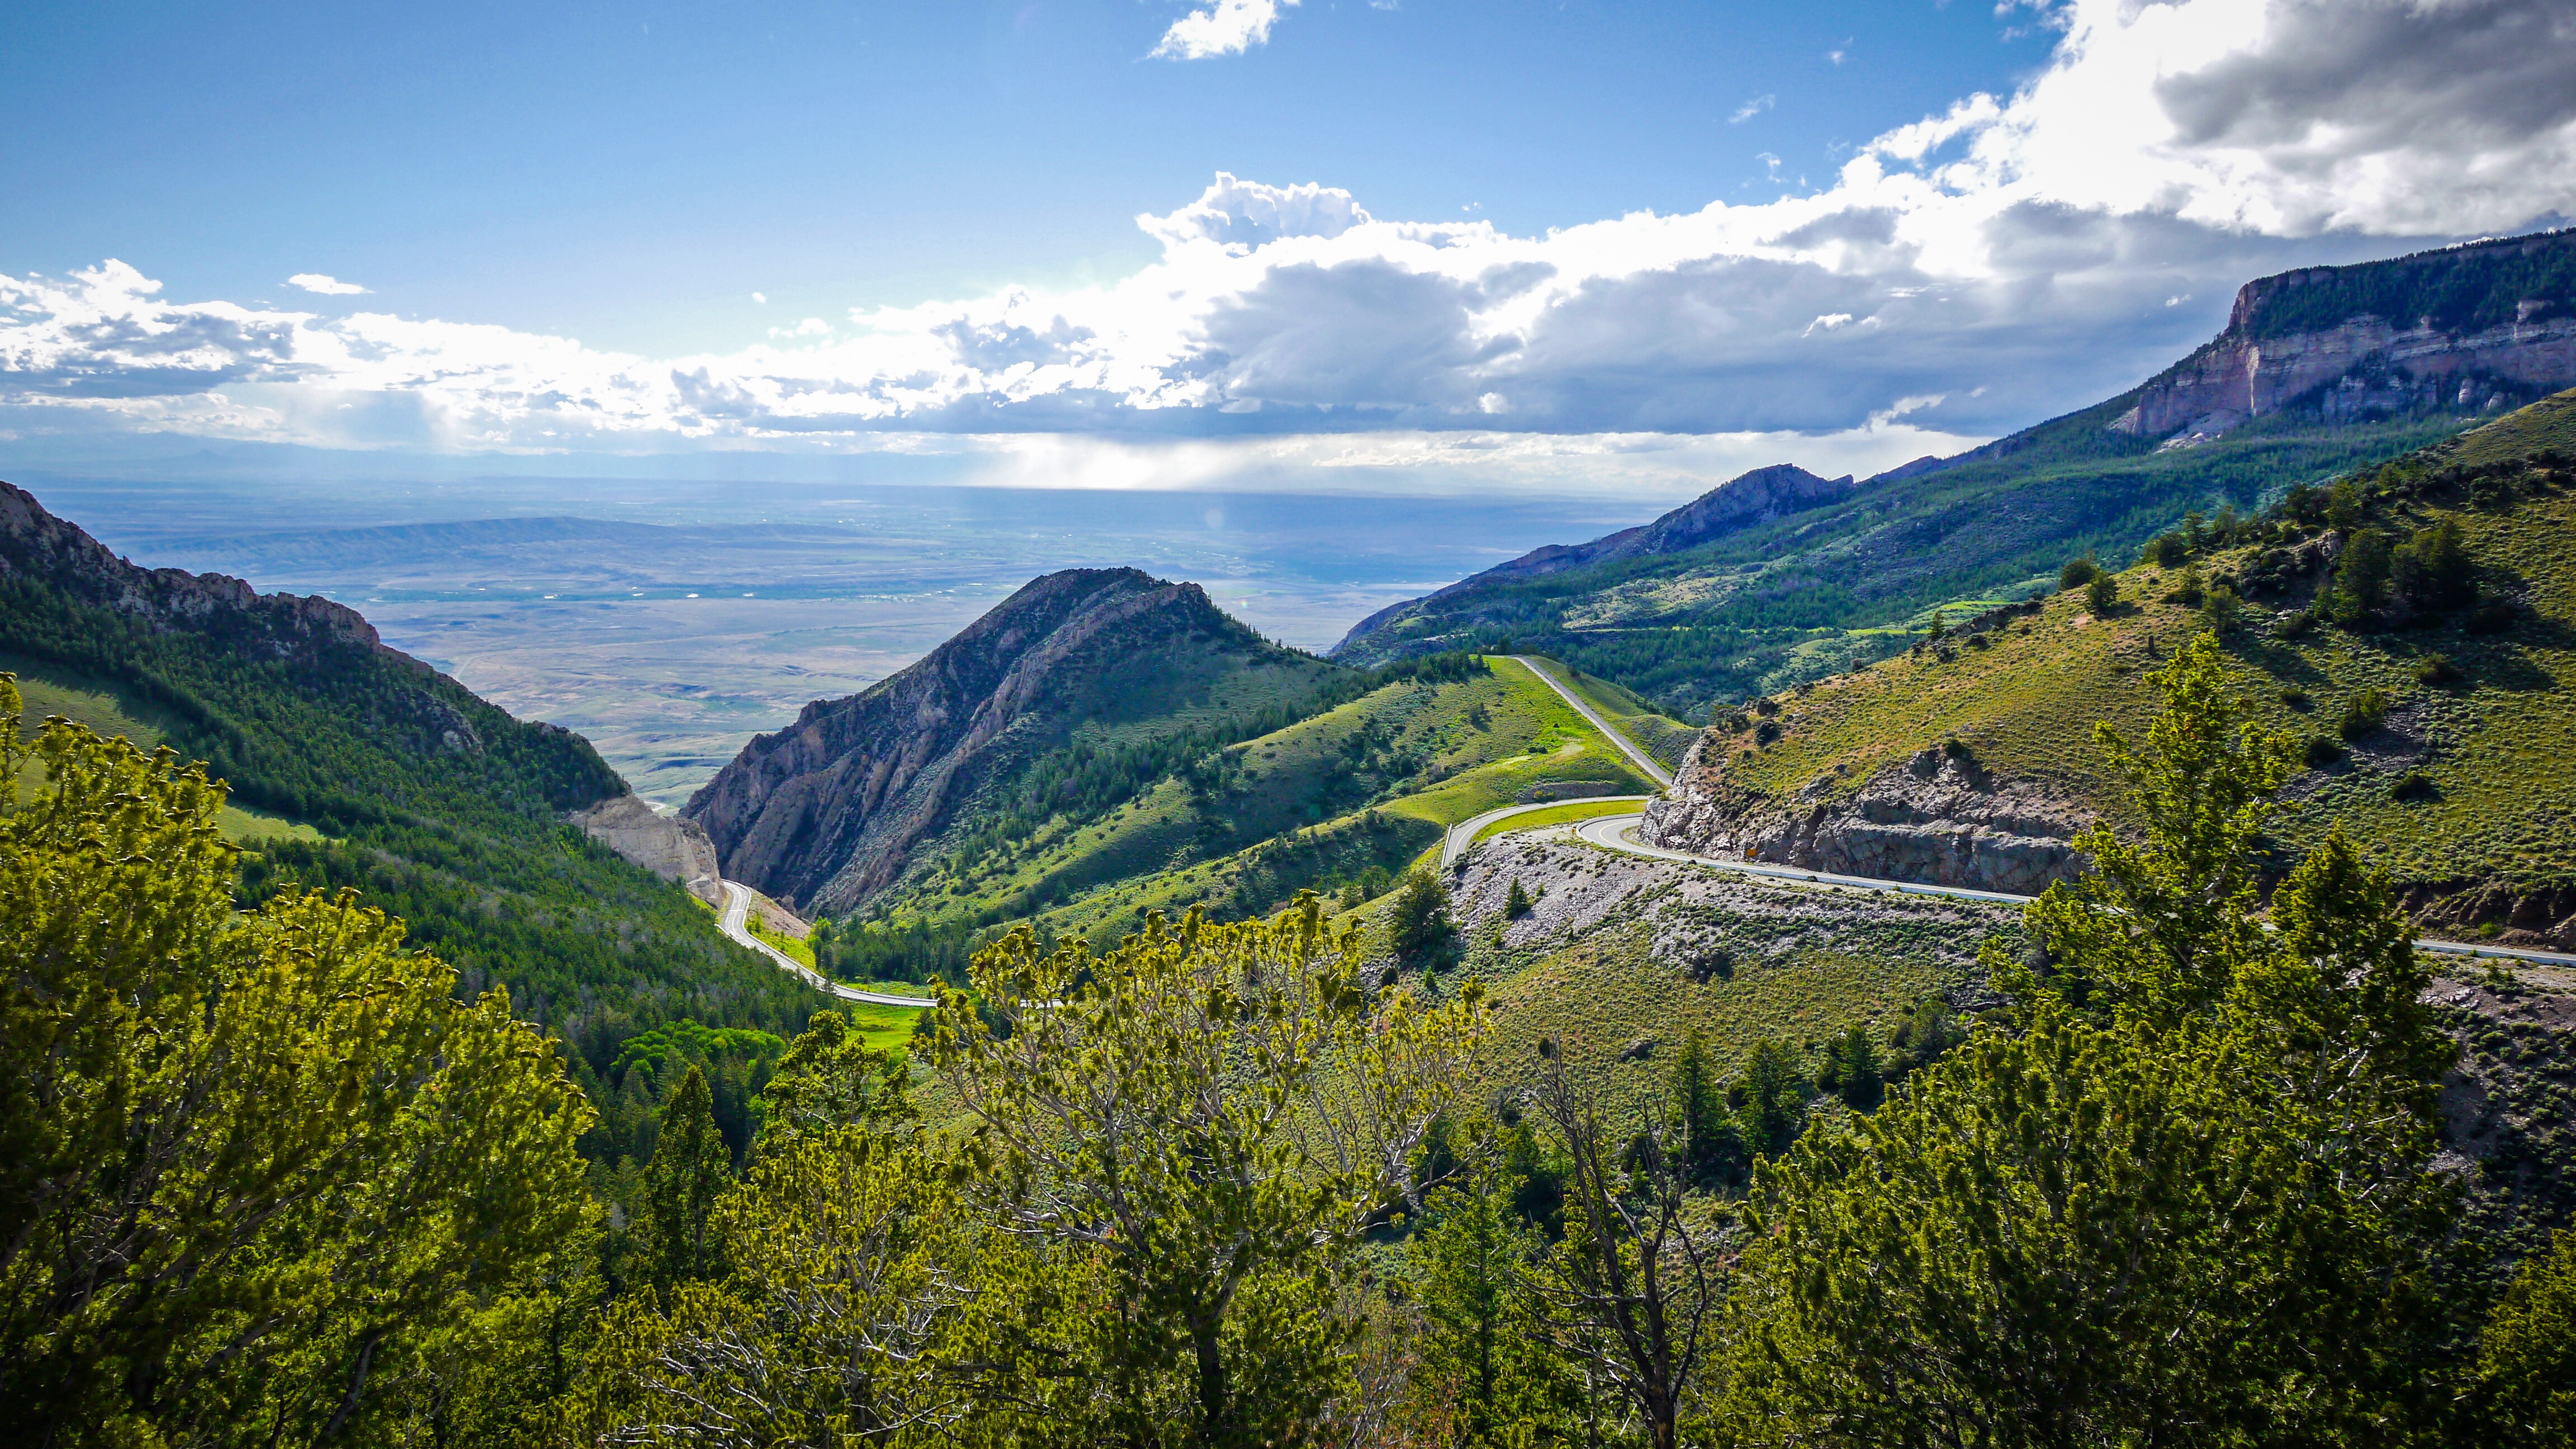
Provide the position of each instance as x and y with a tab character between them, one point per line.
2320	371
1103	743
351	764
2415	622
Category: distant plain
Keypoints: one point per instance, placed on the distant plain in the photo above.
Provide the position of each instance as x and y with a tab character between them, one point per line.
670	620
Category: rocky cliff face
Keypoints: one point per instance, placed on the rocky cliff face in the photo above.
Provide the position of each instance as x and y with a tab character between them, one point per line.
1934	820
2484	326
826	812
37	545
673	847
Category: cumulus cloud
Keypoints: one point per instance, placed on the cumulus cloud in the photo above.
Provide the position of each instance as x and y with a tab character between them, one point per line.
1228	27
327	286
2010	256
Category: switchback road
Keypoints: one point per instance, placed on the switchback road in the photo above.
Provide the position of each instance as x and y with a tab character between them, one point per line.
1619	833
735	924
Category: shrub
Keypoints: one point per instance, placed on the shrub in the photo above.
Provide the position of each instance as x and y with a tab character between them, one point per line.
2436	669
2169	550
2102	595
2297	698
2189	589
1418	925
2413	785
2078	572
2363	713
2324	750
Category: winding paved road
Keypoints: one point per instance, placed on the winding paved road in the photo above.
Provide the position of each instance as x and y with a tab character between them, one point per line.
1636	756
1463	834
735	924
1618	832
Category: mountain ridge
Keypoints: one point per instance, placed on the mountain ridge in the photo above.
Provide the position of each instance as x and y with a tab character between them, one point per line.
1836	584
825	812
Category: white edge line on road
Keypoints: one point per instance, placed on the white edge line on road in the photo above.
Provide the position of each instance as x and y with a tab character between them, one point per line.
737	911
1463	834
1615	832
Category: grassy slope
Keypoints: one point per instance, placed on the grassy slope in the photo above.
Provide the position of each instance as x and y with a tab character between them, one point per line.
464	846
1296	817
1601	962
1661	736
2496	743
112	710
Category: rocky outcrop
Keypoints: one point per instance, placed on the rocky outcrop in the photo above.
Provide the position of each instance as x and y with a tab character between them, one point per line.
1935	820
2478	327
673	847
37	545
827	811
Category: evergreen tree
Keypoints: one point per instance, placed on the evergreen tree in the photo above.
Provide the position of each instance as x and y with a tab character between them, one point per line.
1856	1068
1517	904
2102	594
1712	1146
2184	1197
1774	1090
2527	1356
262	1175
1205	1119
1483	1366
1418	924
690	1170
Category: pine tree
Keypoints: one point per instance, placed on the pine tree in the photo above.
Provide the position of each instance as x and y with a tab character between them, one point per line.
1712	1145
1856	1069
1775	1088
690	1170
1518	903
1481	1359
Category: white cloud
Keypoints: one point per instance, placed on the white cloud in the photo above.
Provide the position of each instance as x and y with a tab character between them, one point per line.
327	286
2012	253
1228	27
1751	108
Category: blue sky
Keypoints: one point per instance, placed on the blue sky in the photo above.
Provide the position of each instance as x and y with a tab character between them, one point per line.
631	173
1544	246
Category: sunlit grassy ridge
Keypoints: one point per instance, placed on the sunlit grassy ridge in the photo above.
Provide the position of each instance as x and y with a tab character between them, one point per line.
2492	744
1660	735
1368	785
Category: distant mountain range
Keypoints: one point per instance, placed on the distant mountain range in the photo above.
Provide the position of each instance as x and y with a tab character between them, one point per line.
1778	576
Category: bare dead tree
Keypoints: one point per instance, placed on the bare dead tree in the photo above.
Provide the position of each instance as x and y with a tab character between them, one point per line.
1636	1286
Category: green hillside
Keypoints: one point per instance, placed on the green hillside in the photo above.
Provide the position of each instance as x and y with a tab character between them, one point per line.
2439	714
1816	592
354	767
1347	797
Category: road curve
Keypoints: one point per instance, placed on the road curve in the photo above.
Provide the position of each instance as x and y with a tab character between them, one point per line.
1618	832
735	924
1636	756
1463	834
